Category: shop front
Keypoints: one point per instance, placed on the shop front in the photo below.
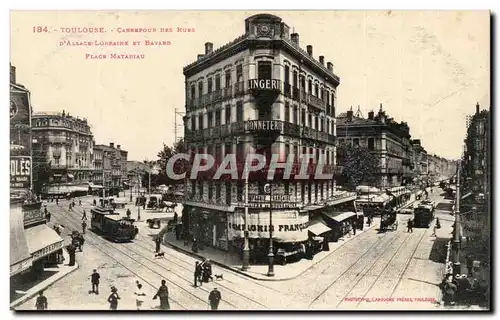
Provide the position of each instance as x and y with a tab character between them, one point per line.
207	226
289	230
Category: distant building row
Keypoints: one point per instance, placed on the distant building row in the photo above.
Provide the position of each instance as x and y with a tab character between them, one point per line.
63	141
403	160
67	144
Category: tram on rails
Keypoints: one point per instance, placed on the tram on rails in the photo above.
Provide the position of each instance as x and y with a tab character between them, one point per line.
423	216
111	225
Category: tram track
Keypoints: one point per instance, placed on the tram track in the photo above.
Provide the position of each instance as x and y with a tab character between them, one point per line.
161	262
388	271
201	303
374	263
145	244
367	251
139	258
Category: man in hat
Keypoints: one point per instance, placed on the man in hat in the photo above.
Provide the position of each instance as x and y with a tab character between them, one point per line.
94	279
84	226
197	274
113	298
214	298
41	302
163	295
158	243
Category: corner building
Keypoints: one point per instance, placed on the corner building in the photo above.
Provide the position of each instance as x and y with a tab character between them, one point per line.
261	93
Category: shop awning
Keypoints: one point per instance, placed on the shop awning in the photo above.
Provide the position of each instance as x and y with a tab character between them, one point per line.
20	257
42	241
317	226
70	176
95	186
340	216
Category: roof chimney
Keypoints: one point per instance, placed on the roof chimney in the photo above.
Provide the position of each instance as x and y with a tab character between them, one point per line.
200	56
322	60
371	115
349	115
111	144
209	48
295	38
310	50
477	108
329	66
118	147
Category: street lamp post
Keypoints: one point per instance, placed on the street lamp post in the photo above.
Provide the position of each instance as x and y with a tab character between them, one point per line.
138	203
456	242
270	271
246	249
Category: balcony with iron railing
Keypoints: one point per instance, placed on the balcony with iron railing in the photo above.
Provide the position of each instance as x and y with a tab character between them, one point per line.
259	126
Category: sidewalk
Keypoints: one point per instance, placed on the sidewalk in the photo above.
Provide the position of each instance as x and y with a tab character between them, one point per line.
259	272
59	272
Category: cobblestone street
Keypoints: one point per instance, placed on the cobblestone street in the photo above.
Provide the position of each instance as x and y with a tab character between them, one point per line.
373	270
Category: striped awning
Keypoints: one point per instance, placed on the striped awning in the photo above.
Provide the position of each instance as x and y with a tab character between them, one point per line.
340	216
318	226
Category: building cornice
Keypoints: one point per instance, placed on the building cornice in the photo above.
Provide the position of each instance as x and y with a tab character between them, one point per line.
242	43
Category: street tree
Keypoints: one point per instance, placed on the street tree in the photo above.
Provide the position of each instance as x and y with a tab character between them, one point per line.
360	165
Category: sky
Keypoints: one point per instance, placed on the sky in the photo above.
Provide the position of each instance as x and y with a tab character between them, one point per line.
428	68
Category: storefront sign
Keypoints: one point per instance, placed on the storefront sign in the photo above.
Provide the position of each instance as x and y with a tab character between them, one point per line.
264	84
267	198
47	250
20	172
286	228
33	216
264	125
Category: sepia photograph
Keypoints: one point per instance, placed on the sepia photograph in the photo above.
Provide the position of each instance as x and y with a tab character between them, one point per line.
250	160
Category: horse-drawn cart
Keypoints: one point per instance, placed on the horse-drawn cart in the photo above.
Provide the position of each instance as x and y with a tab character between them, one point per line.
388	220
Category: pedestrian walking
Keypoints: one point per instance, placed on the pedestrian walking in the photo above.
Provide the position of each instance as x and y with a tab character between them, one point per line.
94	279
158	244
129	213
197	274
95	203
354	226
84	216
207	271
48	216
194	247
163	295
41	302
139	296
70	207
214	298
113	299
72	254
84	226
410	226
80	202
176	217
57	201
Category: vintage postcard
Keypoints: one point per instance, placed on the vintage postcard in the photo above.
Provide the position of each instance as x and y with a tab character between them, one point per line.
250	160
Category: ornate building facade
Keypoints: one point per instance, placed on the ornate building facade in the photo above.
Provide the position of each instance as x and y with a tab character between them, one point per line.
385	137
259	94
66	143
